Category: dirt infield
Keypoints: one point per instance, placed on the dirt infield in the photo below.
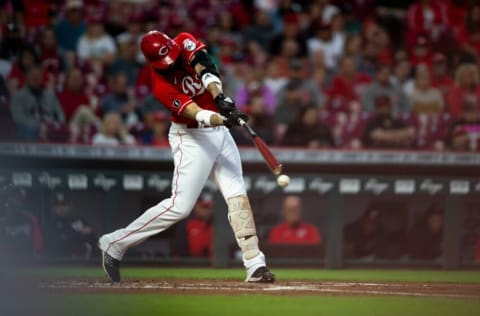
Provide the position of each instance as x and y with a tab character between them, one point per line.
231	287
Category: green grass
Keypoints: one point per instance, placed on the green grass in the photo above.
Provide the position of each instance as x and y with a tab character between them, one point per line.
251	305
372	275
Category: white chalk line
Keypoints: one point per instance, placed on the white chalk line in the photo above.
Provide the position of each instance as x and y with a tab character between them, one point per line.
325	288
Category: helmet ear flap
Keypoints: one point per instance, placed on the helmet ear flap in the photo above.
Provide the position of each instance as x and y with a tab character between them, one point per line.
159	50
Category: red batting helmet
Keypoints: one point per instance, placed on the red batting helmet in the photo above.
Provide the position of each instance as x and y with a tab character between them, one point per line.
159	49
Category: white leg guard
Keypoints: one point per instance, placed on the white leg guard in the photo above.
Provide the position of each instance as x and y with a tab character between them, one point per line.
241	219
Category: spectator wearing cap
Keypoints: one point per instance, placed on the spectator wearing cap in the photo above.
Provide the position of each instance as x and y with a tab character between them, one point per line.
126	62
385	131
121	100
290	36
440	76
464	134
194	235
308	131
423	97
288	107
466	88
421	52
65	234
293	230
324	39
383	86
113	132
156	133
33	108
260	31
95	45
69	29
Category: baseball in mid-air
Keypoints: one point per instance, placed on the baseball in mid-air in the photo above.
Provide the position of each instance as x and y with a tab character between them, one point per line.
283	180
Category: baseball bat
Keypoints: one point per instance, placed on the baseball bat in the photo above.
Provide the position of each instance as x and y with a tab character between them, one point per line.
267	155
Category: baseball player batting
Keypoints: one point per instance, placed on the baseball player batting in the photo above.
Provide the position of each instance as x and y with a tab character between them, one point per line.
186	81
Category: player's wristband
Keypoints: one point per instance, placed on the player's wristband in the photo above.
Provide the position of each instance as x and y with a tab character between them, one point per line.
208	78
204	117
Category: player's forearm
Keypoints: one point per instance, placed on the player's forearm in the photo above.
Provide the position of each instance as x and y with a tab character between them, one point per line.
207	117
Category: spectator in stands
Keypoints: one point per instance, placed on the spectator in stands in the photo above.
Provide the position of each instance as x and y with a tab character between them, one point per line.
273	79
347	85
293	230
426	236
428	17
421	52
156	133
289	106
121	100
194	235
385	131
126	62
299	71
50	58
95	46
33	107
467	33
308	131
466	88
441	79
20	233
324	39
65	234
113	132
77	108
402	72
69	29
255	87
260	31
133	34
291	36
423	97
464	133
383	86
362	236
27	58
13	42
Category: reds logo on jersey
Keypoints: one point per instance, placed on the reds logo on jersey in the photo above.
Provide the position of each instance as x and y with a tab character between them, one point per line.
191	86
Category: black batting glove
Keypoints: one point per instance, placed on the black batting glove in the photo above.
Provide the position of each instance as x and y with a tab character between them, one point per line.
232	118
224	104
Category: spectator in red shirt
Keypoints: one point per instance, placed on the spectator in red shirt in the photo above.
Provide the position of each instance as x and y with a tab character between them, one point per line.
27	58
427	16
466	88
77	107
468	33
194	236
464	133
421	51
347	85
293	231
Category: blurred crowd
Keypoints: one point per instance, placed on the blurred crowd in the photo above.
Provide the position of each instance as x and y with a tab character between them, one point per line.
314	74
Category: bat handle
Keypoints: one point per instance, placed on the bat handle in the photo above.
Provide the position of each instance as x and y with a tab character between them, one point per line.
245	125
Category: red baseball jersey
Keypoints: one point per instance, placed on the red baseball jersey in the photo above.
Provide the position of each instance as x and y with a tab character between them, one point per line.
301	234
181	86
